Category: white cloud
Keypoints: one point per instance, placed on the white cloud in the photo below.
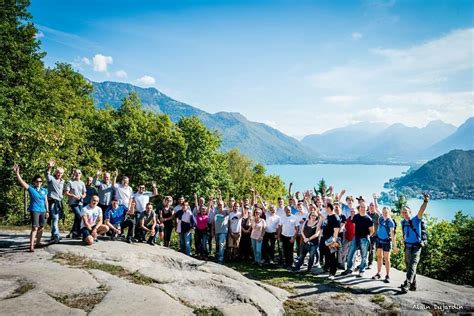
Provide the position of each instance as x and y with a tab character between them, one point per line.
356	36
146	80
39	34
85	61
101	62
121	74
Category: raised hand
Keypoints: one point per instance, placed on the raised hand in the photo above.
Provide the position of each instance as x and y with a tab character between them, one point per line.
426	197
16	168
98	173
153	184
51	163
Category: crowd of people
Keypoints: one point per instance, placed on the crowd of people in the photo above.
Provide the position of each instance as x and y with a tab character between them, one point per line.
328	228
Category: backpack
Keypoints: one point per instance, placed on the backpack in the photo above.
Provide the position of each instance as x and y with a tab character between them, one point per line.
387	229
424	234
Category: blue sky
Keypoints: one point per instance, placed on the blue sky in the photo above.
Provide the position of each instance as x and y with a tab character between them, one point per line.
300	66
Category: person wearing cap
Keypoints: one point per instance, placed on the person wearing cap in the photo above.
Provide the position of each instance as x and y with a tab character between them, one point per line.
411	229
364	228
55	198
331	227
38	206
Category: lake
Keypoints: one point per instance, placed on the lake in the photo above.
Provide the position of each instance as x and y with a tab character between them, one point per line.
362	180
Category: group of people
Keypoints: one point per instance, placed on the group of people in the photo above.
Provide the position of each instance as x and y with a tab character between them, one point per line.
329	231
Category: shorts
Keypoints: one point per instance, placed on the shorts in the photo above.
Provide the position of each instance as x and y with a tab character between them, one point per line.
37	219
85	232
233	240
384	244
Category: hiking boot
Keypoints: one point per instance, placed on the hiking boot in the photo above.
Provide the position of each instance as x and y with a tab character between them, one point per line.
404	287
129	240
387	279
376	277
369	267
413	287
360	275
347	272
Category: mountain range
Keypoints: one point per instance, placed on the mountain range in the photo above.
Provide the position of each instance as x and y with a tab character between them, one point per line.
363	142
396	143
258	141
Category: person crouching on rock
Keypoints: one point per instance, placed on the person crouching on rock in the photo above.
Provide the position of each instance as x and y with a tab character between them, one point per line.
38	206
91	224
147	224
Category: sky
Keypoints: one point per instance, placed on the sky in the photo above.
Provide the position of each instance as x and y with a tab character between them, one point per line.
303	67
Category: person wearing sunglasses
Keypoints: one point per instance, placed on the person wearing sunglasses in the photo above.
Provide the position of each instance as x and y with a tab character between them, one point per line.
38	206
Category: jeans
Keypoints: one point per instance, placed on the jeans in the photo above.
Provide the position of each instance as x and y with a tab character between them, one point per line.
209	239
372	249
257	250
141	234
269	246
56	209
76	227
220	246
363	243
313	249
412	257
288	245
201	241
185	243
346	245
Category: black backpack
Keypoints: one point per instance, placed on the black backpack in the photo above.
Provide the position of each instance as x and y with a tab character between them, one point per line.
424	234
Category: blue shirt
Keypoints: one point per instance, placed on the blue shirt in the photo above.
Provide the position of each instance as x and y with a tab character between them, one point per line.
37	199
294	211
410	236
117	215
383	232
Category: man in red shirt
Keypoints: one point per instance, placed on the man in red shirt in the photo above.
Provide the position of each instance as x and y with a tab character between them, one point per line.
348	236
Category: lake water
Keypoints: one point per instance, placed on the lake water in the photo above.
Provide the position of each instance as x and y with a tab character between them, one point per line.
362	180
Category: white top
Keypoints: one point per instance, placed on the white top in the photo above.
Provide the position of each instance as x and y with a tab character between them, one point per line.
235	219
141	200
186	217
93	213
280	211
123	194
288	224
272	222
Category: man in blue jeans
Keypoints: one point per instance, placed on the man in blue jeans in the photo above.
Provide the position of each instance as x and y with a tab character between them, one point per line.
364	229
55	197
220	228
184	229
411	228
76	192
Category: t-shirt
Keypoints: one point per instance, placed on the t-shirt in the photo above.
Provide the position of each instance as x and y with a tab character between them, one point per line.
294	210
201	220
330	223
185	220
221	222
280	211
141	200
105	191
76	187
257	229
383	231
375	219
93	213
90	191
350	230
37	199
235	219
210	217
148	218
55	187
272	222
117	215
408	233
123	194
288	224
362	225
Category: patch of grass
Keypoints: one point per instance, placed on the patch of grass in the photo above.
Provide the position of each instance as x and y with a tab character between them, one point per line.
84	301
275	276
85	263
207	311
378	299
24	287
298	308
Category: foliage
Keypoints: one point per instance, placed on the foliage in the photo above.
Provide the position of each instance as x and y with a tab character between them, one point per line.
322	189
48	113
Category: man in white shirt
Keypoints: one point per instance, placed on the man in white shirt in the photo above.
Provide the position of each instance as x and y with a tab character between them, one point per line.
123	192
235	227
271	228
287	231
91	223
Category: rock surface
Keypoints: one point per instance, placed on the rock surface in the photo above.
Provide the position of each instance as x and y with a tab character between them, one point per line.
122	278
